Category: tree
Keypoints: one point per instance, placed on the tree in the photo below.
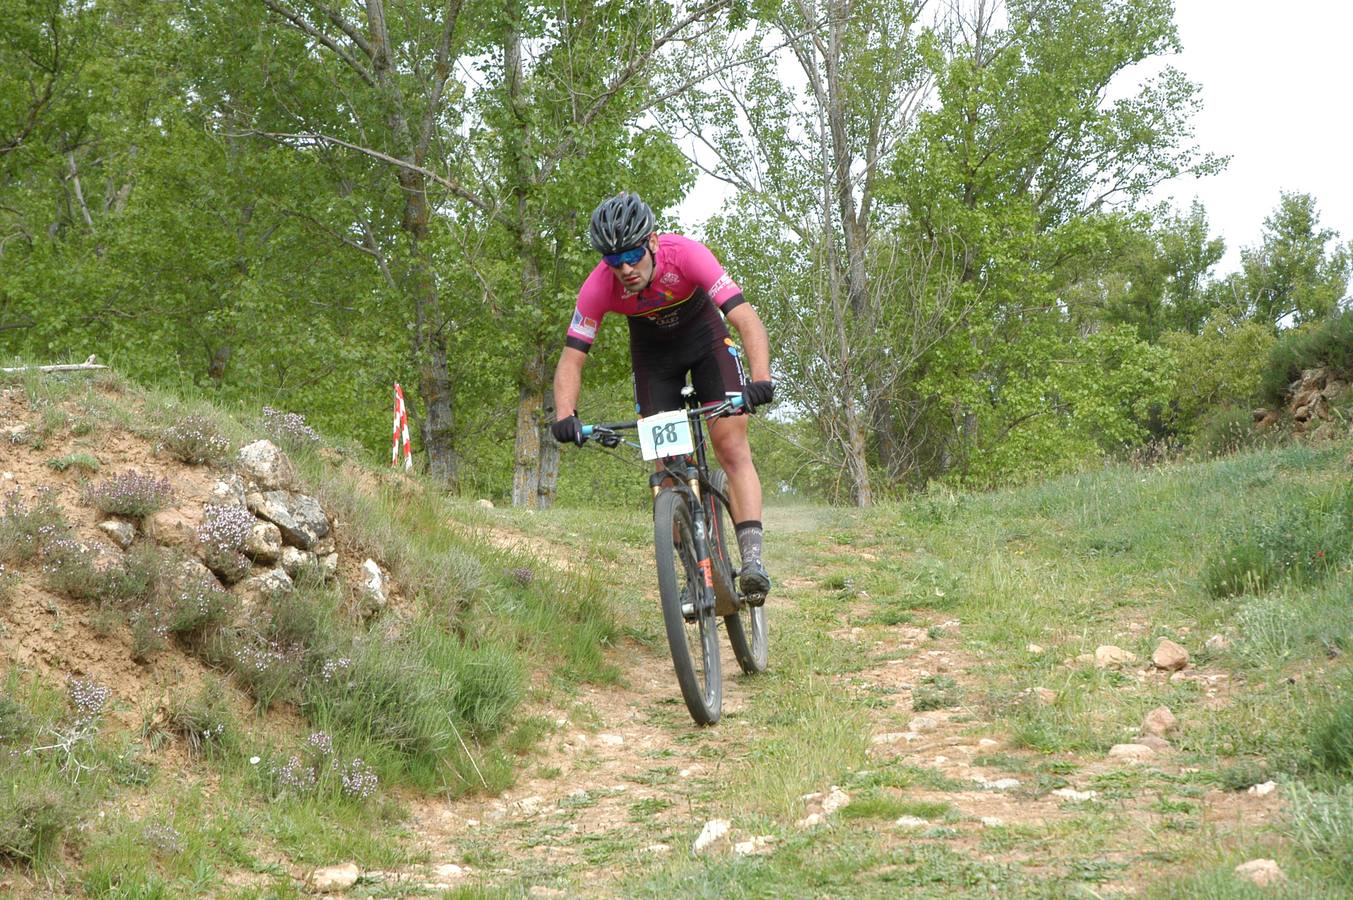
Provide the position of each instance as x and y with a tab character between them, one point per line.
1294	275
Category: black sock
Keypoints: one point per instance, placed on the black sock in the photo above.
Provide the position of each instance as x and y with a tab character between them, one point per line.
749	540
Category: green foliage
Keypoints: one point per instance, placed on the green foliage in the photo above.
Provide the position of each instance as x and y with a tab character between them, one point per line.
1331	739
130	494
935	692
1301	542
196	439
204	719
25	528
1226	429
1294	273
1326	342
84	462
1321	823
1220	366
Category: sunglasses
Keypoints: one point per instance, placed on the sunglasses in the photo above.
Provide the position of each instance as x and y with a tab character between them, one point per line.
628	257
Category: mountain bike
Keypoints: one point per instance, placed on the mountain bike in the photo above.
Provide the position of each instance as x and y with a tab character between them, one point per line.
692	528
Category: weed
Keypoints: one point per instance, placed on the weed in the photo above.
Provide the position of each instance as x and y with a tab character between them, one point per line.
198	609
289	429
205	719
935	692
222	535
84	462
1242	775
1322	825
195	440
1331	739
129	494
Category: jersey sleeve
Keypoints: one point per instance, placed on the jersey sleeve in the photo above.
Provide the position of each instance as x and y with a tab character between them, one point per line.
593	303
701	266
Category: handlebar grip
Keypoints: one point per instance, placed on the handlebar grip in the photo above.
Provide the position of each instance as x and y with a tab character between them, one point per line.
737	401
586	430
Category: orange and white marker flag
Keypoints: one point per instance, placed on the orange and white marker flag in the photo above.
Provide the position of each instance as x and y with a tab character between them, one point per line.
401	429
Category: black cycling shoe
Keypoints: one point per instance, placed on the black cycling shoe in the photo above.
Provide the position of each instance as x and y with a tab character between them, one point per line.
754	583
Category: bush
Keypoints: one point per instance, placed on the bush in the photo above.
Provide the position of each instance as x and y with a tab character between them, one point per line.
1327	342
1218	367
934	692
223	534
270	671
199	608
130	494
205	719
68	569
289	429
1224	430
195	440
36	810
24	529
1301	543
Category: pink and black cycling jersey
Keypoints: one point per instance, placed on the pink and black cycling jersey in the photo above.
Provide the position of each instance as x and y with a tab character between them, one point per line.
683	300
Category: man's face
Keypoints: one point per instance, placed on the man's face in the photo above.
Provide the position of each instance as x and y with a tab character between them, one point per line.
637	276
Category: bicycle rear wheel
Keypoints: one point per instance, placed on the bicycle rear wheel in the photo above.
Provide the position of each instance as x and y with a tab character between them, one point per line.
747	627
693	640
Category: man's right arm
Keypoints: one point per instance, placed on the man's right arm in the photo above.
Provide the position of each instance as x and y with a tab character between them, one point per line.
568	382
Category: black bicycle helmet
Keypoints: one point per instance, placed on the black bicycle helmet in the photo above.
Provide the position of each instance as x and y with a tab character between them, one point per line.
620	222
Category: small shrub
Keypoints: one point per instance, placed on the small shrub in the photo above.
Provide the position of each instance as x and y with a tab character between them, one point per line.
130	494
205	719
1224	430
68	569
150	631
84	462
223	534
270	671
289	429
1327	342
935	692
1242	775
8	581
16	722
195	440
36	810
24	529
135	578
198	608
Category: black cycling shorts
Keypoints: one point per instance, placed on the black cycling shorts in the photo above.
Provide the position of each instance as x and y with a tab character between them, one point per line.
660	369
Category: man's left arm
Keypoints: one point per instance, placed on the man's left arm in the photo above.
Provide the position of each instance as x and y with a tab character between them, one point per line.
755	341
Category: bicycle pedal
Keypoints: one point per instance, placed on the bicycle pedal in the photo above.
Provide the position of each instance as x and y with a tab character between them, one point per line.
757	598
688	611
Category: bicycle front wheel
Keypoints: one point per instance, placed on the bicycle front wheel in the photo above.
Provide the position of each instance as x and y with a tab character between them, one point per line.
689	617
746	628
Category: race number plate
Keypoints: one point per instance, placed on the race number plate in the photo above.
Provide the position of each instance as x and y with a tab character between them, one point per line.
666	434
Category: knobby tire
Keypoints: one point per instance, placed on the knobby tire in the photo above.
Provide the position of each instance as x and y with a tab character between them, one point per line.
694	645
747	627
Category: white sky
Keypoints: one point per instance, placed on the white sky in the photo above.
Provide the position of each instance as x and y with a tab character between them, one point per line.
1276	85
1276	81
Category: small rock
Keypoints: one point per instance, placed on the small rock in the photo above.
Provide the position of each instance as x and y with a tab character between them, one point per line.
922	724
714	831
1170	656
335	878
120	531
757	846
657	849
1154	741
611	740
328	566
1109	656
1002	784
1045	696
1131	752
484	503
1160	721
529	805
835	799
228	492
273	581
992	821
1075	795
294	560
1263	790
447	871
1034	648
812	820
890	737
911	822
373	588
1262	872
1218	643
263	463
264	543
988	742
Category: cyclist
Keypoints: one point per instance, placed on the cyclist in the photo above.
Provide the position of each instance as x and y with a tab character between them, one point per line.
671	290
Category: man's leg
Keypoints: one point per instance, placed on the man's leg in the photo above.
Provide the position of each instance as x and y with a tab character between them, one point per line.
731	448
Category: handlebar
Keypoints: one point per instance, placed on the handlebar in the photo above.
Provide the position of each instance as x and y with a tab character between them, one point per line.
708	411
